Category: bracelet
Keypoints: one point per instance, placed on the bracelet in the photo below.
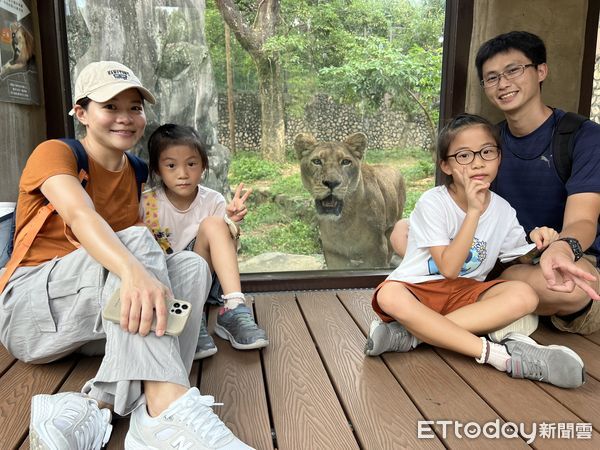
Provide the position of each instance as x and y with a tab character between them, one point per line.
234	230
485	351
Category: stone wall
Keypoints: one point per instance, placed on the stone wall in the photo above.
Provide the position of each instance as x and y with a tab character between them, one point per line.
327	120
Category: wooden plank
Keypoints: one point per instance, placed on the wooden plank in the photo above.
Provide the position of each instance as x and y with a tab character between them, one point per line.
305	410
438	392
235	378
587	349
6	360
594	337
382	414
521	402
19	384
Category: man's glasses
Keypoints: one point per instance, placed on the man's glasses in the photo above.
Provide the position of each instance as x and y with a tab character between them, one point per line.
465	157
493	79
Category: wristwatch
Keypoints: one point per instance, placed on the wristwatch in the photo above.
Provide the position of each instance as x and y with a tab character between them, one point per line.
575	247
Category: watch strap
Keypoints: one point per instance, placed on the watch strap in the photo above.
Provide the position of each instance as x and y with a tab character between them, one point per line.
575	246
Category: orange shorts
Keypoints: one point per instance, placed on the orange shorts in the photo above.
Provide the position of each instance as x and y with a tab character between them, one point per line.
443	296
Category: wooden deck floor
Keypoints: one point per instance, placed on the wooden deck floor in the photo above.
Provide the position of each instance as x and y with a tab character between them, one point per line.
313	388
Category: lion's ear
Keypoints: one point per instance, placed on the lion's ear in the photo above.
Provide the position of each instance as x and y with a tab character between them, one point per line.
357	144
304	143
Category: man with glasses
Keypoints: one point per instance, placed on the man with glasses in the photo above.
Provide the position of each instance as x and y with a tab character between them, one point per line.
511	69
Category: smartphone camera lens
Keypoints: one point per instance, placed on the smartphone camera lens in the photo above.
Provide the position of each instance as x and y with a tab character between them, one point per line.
176	305
177	311
184	306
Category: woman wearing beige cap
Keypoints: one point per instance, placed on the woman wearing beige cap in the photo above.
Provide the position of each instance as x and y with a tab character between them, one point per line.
52	302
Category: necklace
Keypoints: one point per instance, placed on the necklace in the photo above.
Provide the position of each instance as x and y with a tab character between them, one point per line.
504	136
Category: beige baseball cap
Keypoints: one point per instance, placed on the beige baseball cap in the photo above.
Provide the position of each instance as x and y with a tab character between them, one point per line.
100	81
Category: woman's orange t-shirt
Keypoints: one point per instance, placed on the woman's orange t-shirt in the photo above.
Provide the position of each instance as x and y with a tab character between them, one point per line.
114	195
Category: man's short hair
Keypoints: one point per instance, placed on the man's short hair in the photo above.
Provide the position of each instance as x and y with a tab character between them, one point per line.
527	43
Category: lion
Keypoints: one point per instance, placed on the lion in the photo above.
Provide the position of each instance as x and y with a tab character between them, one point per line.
357	204
22	46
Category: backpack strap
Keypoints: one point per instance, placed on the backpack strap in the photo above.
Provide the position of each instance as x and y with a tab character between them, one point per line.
563	143
141	171
24	240
82	159
150	204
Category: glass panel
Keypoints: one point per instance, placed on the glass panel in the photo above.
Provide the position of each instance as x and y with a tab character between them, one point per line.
329	114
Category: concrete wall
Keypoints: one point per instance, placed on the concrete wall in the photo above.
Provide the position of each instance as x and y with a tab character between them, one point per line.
22	128
560	23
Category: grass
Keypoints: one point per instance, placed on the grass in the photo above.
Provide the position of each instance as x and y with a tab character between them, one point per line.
283	219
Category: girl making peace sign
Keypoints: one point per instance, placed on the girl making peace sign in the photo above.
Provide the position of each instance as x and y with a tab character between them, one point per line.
184	215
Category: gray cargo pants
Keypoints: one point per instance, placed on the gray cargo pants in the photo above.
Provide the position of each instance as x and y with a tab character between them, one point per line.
49	311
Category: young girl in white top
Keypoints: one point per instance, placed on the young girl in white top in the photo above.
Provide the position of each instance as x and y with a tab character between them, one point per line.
457	231
184	215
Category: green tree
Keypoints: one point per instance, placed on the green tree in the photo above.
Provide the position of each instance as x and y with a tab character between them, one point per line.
365	52
252	36
362	52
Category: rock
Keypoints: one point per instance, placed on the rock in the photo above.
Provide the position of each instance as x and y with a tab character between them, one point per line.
163	42
278	262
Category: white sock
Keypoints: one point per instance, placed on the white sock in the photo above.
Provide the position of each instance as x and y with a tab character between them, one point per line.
498	356
233	300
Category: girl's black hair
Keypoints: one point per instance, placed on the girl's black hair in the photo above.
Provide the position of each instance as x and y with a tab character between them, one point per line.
451	129
168	135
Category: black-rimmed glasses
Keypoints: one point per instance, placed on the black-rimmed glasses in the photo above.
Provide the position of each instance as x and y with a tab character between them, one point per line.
465	157
493	79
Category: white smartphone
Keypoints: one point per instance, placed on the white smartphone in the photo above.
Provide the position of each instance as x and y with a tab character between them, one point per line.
178	312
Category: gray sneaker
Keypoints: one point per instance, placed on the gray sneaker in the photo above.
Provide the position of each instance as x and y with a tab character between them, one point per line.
238	327
206	346
554	364
387	337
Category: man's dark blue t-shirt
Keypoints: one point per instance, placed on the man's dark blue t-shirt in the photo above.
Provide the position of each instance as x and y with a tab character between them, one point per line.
528	180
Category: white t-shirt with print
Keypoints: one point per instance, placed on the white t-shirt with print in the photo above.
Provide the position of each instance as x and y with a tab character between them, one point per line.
181	226
437	219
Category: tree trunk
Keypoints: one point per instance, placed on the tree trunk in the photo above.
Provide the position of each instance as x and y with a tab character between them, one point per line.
272	109
252	38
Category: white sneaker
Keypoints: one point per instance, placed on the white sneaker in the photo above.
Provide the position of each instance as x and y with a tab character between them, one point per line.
68	421
188	423
525	326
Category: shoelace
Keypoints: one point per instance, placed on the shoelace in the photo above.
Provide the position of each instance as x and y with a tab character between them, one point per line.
245	320
535	369
201	419
85	432
398	339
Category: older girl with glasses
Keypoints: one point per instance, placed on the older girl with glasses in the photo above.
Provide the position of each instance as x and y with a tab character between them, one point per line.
438	294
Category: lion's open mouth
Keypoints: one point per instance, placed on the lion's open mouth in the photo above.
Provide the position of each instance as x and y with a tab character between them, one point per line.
329	205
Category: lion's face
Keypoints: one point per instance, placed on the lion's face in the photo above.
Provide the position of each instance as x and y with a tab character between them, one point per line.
330	170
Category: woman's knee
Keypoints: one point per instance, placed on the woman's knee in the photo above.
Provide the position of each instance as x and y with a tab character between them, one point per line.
139	240
189	275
